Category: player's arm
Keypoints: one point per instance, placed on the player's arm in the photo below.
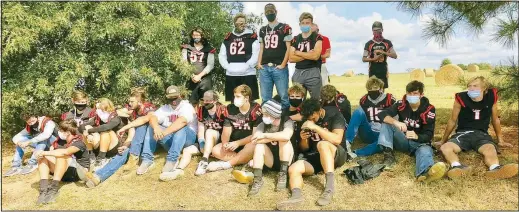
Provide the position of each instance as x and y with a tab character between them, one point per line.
293	58
137	122
496	123
260	55
209	67
427	133
287	55
255	54
451	124
315	54
391	53
222	57
246	140
201	130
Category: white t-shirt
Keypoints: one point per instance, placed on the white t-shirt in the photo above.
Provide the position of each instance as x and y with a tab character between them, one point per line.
166	115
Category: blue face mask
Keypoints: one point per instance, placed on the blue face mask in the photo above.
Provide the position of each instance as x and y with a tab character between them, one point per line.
474	94
305	28
413	99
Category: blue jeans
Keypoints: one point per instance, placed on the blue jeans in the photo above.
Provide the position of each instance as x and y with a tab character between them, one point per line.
24	136
270	76
173	143
138	140
111	167
359	125
395	139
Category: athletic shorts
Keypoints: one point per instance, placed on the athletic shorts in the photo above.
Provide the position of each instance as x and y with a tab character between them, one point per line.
472	140
314	159
110	153
71	174
232	82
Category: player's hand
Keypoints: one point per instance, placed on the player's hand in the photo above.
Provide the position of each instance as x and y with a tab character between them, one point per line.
304	135
121	131
437	145
309	125
38	154
259	67
231	146
23	144
503	143
121	149
196	78
158	134
279	67
400	126
411	135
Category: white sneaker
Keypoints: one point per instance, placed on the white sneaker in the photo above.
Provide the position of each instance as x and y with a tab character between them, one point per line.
167	176
202	168
217	166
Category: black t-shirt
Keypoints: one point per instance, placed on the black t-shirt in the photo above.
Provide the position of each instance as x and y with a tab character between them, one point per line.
372	109
332	120
198	58
343	104
475	115
239	48
305	45
214	121
275	46
242	124
81	156
378	68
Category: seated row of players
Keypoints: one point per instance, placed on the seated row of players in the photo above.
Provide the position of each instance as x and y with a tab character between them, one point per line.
311	136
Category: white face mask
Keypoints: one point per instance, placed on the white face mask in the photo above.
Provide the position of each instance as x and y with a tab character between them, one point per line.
62	135
238	102
268	120
103	115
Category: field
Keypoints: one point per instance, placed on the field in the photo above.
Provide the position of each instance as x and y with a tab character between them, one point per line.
394	190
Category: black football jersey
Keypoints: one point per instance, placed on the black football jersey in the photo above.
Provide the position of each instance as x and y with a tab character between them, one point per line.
372	109
332	119
305	45
475	115
380	65
79	118
239	48
198	58
215	121
242	124
275	47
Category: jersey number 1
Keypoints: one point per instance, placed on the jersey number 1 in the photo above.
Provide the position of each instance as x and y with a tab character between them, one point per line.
476	114
303	46
373	113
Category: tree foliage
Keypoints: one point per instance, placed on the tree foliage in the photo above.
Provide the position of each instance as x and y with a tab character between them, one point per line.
445	61
462	66
506	77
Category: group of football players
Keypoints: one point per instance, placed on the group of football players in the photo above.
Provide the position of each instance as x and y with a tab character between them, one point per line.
290	134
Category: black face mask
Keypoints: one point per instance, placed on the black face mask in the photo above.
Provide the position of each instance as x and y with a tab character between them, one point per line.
209	106
80	107
174	102
271	17
374	94
295	102
35	125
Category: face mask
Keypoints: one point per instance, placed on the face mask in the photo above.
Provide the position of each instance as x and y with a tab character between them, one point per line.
80	107
35	125
174	102
295	102
209	106
103	115
474	94
271	17
197	40
305	28
374	94
239	28
239	102
377	36
267	120
413	99
62	135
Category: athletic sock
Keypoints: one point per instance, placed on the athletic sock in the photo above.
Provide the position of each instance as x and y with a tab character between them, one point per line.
284	166
44	183
258	173
205	159
55	183
102	155
454	164
330	182
492	167
296	193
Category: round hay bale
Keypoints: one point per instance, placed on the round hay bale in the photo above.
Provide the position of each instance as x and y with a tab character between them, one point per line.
473	68
417	74
429	72
448	75
349	73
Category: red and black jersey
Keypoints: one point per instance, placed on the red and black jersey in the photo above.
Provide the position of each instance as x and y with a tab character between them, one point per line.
215	121
79	118
475	115
198	58
274	45
421	121
242	124
372	109
381	65
142	111
305	45
332	120
239	48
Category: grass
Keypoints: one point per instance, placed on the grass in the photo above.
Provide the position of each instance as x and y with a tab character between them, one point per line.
394	190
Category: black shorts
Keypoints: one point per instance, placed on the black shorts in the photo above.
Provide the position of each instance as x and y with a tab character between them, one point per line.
381	74
110	153
315	159
472	140
198	89
232	82
70	175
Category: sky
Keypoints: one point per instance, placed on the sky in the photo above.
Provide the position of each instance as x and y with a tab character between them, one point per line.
348	25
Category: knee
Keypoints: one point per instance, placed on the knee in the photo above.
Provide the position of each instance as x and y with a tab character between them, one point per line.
323	146
358	112
424	150
216	150
447	147
296	168
250	145
488	150
259	149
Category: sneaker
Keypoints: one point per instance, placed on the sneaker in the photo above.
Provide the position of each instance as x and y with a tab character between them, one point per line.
458	171
243	176
503	172
282	181
131	164
167	176
350	155
169	166
144	167
92	180
13	171
389	160
290	203
100	163
43	195
436	172
52	194
325	198
217	166
28	169
255	187
202	168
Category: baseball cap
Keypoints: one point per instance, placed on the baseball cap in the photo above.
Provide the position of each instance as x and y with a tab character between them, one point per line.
270	6
172	92
376	25
273	108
